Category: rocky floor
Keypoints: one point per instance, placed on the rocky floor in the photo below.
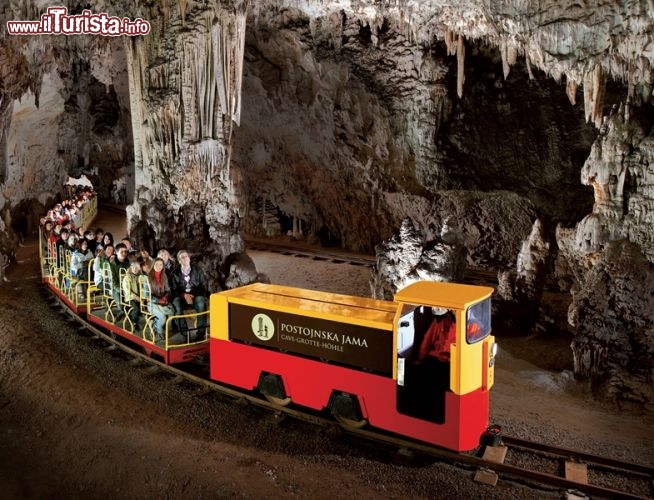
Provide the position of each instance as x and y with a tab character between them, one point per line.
77	421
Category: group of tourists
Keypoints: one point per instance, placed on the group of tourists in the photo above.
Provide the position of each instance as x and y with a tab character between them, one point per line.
175	284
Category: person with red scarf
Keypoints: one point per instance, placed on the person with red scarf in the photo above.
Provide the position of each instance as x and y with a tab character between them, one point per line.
428	363
160	305
438	338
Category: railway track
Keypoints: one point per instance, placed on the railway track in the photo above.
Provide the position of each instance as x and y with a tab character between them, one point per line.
513	459
472	275
312	253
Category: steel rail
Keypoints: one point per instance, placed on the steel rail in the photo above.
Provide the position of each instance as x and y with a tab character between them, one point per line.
511	470
644	470
471	274
306	251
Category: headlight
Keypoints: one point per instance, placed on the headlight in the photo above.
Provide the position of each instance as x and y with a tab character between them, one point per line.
494	350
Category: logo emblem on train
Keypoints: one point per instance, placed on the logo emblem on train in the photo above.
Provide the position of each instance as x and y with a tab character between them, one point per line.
263	327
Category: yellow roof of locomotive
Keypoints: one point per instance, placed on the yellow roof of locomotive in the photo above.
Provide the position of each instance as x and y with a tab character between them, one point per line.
443	294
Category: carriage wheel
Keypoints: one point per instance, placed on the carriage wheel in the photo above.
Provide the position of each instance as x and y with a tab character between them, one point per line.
278	401
346	410
350	423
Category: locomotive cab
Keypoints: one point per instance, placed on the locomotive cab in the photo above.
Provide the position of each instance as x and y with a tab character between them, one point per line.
444	349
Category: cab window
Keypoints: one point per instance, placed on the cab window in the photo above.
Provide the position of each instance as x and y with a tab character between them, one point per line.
478	321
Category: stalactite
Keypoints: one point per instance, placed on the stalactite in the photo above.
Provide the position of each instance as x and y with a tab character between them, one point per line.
136	64
509	57
505	63
528	62
182	10
229	45
241	21
450	42
594	95
187	93
375	25
588	95
598	95
571	91
460	58
203	84
335	22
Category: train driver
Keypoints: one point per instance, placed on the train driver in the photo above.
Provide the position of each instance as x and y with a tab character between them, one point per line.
428	370
439	336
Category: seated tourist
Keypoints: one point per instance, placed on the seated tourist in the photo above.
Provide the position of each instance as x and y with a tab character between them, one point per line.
120	260
160	303
90	240
79	260
103	257
99	239
189	289
131	291
146	261
169	262
128	244
107	239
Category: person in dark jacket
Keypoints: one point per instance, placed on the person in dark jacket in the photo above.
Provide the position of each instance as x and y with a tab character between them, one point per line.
189	289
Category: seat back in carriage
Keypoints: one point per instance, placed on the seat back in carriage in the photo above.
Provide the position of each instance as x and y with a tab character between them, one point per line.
145	296
125	305
107	291
48	259
69	281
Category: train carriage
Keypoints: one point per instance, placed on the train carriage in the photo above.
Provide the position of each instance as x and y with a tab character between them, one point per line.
99	306
352	356
184	344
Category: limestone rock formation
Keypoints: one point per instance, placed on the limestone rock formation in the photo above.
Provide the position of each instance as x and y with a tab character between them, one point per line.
184	83
532	265
612	314
240	270
519	291
407	258
609	254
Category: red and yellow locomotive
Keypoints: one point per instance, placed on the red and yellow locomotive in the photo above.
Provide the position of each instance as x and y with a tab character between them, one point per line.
352	356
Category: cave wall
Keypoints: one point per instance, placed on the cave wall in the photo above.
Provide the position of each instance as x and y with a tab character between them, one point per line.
611	260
